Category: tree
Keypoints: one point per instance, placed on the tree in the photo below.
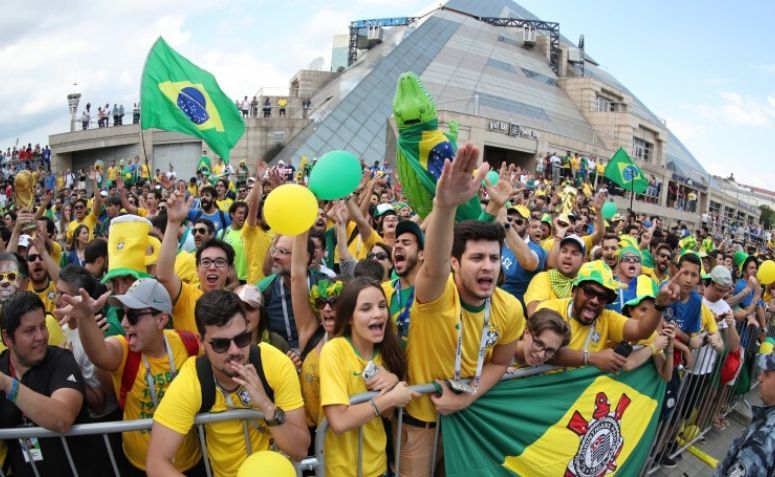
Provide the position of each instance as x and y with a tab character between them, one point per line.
767	217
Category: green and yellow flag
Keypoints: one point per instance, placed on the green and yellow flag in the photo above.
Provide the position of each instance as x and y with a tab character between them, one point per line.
624	173
575	423
177	95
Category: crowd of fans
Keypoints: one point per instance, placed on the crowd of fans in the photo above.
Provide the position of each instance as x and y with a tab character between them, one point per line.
128	274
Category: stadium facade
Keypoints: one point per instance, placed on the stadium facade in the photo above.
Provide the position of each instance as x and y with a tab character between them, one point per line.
518	89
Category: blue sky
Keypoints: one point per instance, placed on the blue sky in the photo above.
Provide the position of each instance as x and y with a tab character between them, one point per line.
707	68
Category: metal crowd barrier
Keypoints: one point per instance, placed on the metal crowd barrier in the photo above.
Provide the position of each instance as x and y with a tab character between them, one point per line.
700	398
106	428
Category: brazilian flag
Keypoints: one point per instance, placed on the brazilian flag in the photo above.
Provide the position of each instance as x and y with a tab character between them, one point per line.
624	173
177	95
576	423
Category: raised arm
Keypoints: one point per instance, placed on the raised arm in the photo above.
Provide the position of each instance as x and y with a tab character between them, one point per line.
104	353
599	231
254	196
306	320
364	227
97	202
635	330
40	244
47	196
122	194
455	187
177	211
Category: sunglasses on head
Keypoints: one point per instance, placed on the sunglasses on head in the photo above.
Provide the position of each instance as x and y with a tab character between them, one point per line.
133	316
221	345
320	303
377	256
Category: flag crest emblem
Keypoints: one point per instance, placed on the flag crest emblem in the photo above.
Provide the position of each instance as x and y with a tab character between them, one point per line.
194	102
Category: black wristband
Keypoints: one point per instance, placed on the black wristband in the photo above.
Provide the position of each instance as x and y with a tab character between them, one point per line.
660	308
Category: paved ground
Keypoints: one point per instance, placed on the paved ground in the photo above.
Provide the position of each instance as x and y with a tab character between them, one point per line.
716	443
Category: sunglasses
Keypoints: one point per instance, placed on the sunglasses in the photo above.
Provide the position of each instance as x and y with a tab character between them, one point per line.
279	250
591	292
9	276
221	345
516	221
377	256
321	303
34	257
199	230
133	316
78	207
630	259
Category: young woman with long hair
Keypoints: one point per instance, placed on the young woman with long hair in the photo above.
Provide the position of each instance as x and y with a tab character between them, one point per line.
363	335
77	246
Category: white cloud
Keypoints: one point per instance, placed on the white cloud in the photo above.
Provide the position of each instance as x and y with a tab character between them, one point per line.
735	109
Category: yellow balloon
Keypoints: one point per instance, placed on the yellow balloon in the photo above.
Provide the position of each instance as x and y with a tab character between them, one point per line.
766	273
266	463
291	209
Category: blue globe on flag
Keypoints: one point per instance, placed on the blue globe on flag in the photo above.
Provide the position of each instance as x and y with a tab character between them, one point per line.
193	104
629	173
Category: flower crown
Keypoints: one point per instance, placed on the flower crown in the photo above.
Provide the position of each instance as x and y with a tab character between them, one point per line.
325	289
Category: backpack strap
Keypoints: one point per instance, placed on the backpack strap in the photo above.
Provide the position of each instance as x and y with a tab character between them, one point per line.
313	341
207	382
131	366
190	341
222	218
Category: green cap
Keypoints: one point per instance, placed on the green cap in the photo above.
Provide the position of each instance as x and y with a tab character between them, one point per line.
599	272
645	287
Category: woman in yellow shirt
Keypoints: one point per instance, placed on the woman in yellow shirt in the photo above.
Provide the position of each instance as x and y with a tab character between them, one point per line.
364	342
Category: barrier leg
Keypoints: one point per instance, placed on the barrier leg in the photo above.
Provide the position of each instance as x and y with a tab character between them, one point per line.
110	453
200	429
435	446
397	445
69	456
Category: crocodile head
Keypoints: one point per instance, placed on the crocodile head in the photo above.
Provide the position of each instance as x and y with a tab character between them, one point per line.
412	103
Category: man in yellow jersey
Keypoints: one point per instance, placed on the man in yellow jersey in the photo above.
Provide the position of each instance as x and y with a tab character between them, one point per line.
143	363
231	375
407	259
557	282
593	326
256	236
82	215
214	259
463	325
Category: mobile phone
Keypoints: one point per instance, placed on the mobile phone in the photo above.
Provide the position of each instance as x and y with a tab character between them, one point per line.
369	371
623	348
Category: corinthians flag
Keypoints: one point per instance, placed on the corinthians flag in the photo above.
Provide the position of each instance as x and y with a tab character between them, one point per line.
177	95
576	423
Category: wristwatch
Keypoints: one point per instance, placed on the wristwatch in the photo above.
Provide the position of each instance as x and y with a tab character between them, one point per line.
278	419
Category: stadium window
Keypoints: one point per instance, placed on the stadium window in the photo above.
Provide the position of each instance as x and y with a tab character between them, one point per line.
643	150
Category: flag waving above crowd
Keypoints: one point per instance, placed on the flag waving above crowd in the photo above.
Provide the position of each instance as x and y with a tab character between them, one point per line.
177	95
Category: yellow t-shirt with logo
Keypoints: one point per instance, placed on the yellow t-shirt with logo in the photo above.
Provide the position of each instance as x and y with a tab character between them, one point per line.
225	440
309	378
47	295
340	378
112	173
431	350
183	310
539	289
608	327
185	267
256	242
139	405
89	220
224	204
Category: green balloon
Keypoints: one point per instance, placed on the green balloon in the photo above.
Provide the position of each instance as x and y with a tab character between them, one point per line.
335	175
608	210
492	178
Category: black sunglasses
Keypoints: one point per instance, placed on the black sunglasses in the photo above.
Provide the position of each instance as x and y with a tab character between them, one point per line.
321	303
221	345
34	257
133	316
199	230
377	256
591	292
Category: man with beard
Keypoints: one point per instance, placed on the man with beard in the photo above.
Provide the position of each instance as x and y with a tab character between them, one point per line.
276	287
593	326
407	259
627	274
143	363
42	386
208	209
610	249
247	377
214	259
462	324
232	235
662	259
43	273
387	220
84	216
557	282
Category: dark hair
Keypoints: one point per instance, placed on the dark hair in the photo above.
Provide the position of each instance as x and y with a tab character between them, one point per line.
160	222
78	277
387	249
74	238
389	348
113	200
97	248
17	305
5	233
609	236
475	230
208	223
217	308
208	189
21	264
156	193
11	213
223	182
50	226
371	269
227	249
81	200
236	205
546	319
320	235
664	245
691	258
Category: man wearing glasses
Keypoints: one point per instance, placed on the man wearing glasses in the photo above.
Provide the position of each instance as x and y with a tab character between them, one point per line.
214	259
522	257
593	326
143	363
627	272
231	375
84	216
